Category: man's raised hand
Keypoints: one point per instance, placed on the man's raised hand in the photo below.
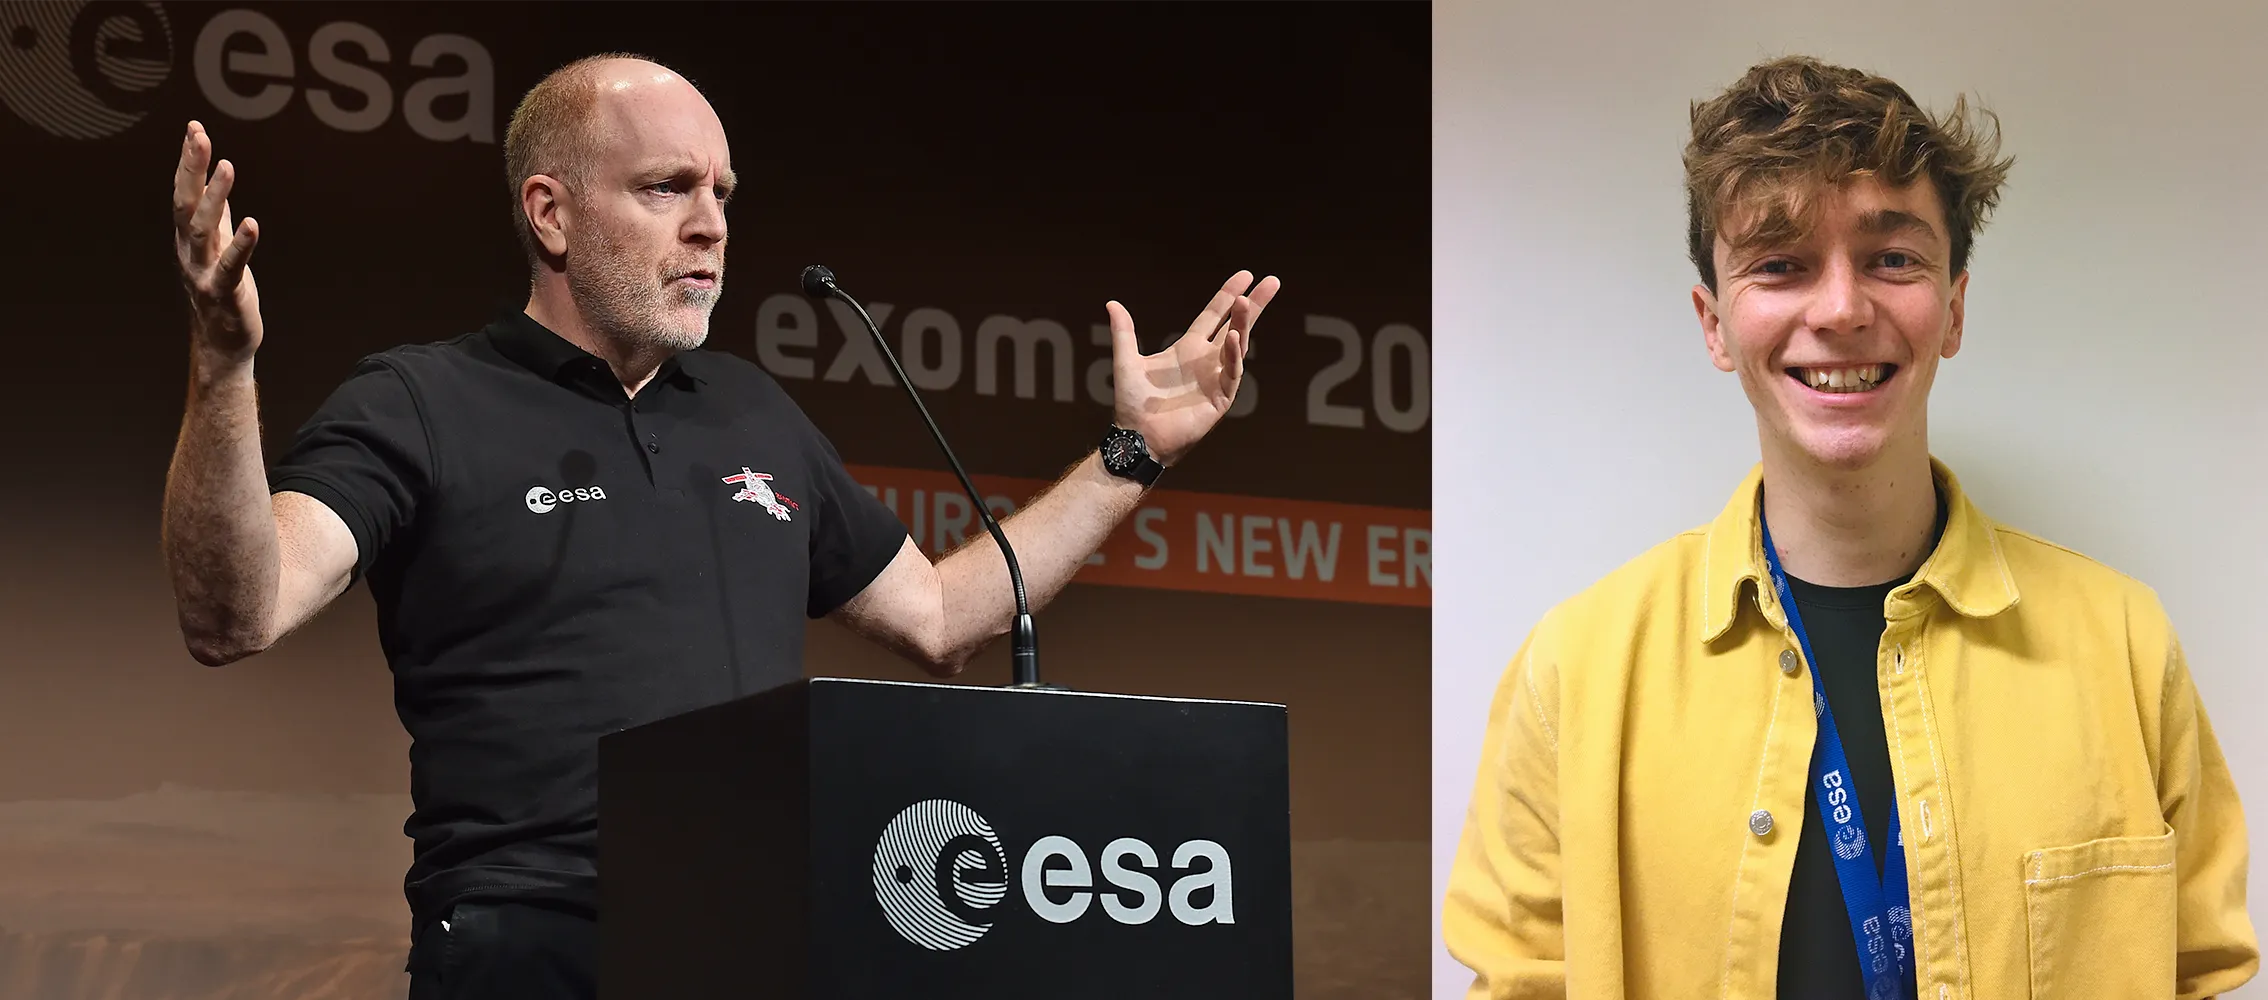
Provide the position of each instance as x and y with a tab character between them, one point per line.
215	256
1174	397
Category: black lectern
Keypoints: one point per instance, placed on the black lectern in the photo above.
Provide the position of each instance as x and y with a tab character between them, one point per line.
838	839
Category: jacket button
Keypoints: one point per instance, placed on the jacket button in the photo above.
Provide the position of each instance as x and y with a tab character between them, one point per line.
1760	822
1788	662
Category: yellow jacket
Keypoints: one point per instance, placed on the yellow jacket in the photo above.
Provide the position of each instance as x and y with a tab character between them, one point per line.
2071	829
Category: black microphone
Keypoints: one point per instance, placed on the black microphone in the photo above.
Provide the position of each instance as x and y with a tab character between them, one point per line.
819	283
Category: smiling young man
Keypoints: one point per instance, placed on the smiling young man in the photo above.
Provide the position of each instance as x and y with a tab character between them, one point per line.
574	521
1853	738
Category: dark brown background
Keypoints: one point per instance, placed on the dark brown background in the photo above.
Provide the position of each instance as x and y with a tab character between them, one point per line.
167	830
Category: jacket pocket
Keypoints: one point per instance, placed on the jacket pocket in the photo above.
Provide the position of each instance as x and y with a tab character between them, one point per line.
2101	918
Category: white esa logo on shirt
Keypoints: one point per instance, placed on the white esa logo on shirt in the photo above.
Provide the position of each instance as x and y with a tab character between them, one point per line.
542	498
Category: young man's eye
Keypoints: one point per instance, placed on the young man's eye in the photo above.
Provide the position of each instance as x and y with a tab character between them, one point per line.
1776	267
1897	260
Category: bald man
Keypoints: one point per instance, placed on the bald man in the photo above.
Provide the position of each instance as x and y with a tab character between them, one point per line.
575	520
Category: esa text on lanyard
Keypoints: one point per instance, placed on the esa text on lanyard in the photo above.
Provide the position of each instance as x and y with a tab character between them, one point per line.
1881	921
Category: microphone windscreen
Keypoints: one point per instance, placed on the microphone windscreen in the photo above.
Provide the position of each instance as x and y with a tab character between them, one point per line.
818	282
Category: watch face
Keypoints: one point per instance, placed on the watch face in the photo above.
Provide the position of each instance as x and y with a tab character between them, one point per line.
1122	450
1119	453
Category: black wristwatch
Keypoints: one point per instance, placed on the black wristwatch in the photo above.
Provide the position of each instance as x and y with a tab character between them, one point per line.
1127	456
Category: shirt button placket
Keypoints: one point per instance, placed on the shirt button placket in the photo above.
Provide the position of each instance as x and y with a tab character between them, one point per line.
1918	841
638	427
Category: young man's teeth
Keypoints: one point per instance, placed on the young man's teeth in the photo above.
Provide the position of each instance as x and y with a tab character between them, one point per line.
1857	379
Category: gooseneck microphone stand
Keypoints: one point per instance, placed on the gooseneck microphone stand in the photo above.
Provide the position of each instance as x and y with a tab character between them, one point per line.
819	283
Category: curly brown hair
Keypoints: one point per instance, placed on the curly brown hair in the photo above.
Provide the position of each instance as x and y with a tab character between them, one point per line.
1793	127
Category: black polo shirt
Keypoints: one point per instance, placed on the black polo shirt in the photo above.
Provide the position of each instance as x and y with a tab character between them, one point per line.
553	560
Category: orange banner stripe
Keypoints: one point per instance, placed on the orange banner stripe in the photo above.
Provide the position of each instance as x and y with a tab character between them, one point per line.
1212	542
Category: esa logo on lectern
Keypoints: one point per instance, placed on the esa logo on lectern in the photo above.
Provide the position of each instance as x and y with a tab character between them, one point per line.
942	876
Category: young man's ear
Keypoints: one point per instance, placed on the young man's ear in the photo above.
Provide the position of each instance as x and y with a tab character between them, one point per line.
1712	327
1960	310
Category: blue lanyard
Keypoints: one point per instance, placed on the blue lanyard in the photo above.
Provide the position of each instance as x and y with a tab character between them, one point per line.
1881	920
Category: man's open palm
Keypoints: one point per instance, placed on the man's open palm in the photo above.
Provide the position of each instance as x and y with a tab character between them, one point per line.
215	255
1174	397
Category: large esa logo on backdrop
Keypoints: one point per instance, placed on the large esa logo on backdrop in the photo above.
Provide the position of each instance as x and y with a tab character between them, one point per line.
90	69
83	70
942	878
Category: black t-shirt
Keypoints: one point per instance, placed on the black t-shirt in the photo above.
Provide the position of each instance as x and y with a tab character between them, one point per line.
553	560
1818	954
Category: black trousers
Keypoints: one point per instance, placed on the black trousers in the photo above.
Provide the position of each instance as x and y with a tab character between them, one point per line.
506	951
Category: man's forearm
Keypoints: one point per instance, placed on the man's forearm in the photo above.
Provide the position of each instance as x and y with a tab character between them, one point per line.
219	526
1052	536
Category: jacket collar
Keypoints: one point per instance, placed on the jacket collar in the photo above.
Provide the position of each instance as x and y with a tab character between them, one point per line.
1966	570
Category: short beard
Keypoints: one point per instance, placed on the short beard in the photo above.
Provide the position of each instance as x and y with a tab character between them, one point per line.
627	306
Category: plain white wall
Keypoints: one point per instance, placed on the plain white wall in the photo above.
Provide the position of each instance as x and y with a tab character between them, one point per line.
2105	396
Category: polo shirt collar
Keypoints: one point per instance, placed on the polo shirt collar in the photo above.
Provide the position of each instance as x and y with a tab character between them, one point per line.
533	346
1966	569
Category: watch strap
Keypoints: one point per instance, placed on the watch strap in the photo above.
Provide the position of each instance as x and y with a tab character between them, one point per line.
1146	471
